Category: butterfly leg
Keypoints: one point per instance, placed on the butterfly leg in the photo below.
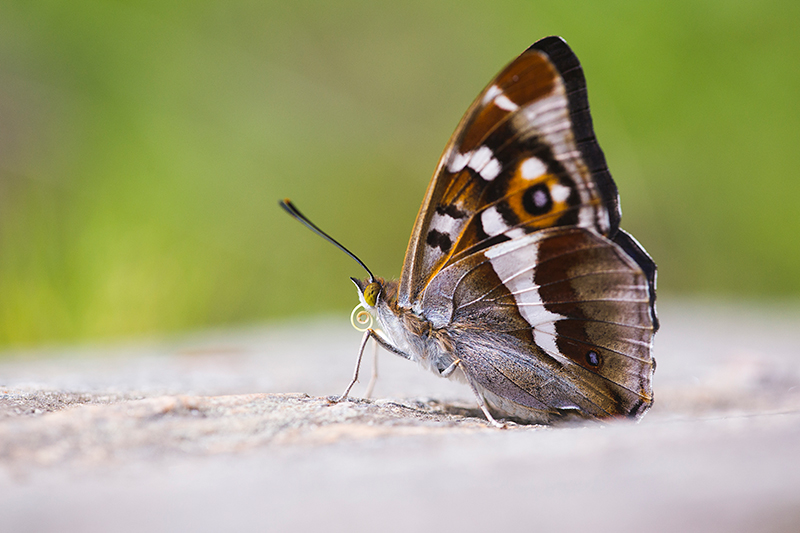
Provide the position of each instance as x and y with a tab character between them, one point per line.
379	341
367	335
485	408
450	369
374	377
478	396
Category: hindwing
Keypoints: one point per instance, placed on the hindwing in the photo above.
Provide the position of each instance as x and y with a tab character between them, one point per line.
559	319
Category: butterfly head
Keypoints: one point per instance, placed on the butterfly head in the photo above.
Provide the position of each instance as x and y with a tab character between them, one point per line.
369	291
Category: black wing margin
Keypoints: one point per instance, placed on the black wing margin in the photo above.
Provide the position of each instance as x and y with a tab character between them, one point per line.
635	250
567	64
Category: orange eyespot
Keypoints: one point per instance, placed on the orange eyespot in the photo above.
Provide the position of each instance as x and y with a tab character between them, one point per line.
371	293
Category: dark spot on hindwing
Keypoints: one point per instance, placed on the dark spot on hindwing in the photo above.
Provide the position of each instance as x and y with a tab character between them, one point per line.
593	358
537	200
437	239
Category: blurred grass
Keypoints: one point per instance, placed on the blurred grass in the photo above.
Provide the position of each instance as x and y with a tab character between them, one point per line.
143	146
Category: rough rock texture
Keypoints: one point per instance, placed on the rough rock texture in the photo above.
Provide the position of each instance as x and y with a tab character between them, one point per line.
208	433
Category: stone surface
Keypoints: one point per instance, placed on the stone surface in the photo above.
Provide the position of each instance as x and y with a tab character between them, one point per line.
233	430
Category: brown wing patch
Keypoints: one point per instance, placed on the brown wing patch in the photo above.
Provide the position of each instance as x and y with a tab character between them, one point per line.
582	306
602	299
530	77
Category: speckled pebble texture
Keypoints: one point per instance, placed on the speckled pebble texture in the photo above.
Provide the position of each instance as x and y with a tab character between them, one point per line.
235	430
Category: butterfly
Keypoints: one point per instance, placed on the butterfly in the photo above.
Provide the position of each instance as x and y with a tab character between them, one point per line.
517	279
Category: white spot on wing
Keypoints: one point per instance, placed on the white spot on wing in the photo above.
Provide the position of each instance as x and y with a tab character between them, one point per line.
491	169
458	162
491	93
492	222
484	164
495	94
510	247
532	168
444	224
559	193
544	334
481	156
505	103
512	261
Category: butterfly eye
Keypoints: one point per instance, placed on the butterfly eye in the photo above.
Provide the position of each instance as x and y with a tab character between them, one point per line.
371	293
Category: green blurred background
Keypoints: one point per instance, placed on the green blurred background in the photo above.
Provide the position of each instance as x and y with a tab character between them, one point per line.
144	145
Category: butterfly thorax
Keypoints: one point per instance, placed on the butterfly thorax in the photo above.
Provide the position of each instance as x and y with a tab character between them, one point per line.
407	333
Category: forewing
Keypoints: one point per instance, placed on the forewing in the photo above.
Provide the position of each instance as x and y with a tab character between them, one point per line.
523	158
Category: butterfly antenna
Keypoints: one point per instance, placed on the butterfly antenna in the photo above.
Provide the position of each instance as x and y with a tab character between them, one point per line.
290	208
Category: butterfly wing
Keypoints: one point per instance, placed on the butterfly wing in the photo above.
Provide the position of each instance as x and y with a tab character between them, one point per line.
517	252
524	157
561	319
